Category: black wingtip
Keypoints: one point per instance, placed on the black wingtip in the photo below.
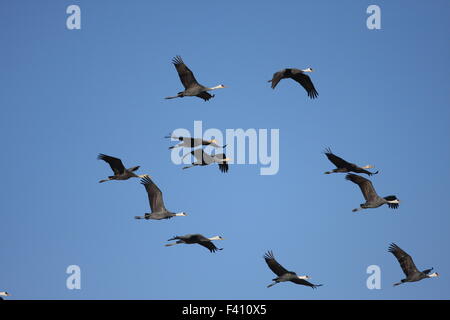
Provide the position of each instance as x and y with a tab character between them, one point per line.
392	247
177	60
145	180
269	255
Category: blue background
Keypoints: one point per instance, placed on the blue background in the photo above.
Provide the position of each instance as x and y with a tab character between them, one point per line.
68	95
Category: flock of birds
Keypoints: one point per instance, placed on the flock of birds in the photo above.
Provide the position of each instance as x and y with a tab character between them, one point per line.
159	211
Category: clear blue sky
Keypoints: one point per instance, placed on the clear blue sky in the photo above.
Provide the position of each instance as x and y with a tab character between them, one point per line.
69	95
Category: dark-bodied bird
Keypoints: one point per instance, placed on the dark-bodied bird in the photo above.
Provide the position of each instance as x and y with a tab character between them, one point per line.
284	275
191	86
155	197
198	239
344	166
120	173
188	142
297	75
4	294
373	200
204	159
408	266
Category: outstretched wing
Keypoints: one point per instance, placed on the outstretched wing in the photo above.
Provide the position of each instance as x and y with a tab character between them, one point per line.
205	95
223	165
273	264
186	76
202	156
305	82
405	260
306	283
115	163
364	184
209	245
392	205
277	76
337	161
154	195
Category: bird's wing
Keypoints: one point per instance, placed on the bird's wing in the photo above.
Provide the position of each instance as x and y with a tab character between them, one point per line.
186	76
115	163
277	76
305	283
405	260
155	196
209	245
205	95
337	161
223	166
306	83
192	142
273	264
202	156
364	184
392	205
427	271
220	156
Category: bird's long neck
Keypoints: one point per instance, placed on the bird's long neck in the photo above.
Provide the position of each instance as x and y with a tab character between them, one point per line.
216	87
214	238
303	277
180	214
3	294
